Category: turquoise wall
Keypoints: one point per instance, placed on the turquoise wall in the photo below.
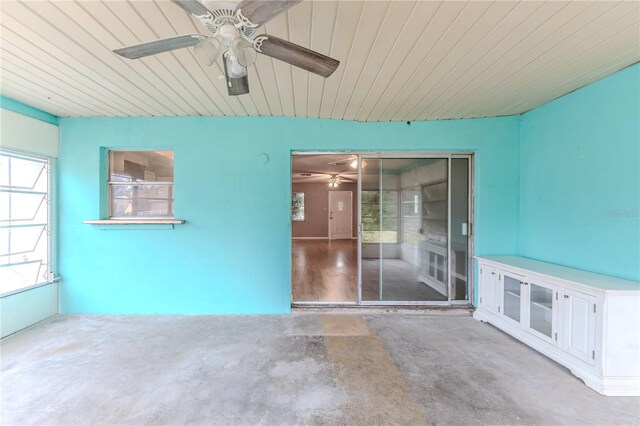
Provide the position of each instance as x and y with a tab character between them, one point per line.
580	178
233	254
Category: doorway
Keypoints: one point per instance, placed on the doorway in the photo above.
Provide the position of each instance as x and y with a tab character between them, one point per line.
324	229
413	233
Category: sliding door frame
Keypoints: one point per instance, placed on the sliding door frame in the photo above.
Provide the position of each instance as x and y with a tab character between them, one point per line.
448	155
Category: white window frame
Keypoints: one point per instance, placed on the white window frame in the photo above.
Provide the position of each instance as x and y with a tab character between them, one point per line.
51	225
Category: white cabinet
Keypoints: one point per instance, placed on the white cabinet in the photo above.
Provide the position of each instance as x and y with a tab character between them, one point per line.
588	322
580	325
488	296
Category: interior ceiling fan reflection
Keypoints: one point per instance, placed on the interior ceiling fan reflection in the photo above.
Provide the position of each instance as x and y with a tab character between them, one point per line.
334	179
233	32
351	161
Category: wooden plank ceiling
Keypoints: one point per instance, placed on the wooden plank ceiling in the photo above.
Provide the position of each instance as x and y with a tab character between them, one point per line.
400	60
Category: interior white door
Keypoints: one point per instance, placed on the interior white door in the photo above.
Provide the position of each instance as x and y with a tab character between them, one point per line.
340	216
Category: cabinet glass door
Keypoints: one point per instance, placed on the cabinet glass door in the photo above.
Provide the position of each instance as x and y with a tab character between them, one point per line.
541	309
512	294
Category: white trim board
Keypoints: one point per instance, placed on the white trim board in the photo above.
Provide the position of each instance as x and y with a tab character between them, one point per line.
309	238
28	135
26	308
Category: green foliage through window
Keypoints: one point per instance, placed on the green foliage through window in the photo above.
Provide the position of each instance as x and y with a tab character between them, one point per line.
297	206
380	216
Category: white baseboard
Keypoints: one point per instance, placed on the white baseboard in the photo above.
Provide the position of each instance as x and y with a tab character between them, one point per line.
620	386
309	238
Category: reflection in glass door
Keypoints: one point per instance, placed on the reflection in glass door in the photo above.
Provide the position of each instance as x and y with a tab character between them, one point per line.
415	229
541	309
511	296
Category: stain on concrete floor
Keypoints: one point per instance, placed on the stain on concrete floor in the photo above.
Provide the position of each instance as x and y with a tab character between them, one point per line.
288	370
378	392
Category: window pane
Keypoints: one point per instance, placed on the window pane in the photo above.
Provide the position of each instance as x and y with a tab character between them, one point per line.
390	197
297	206
142	200
22	173
370	197
437	192
389	223
22	275
389	209
24	237
380	216
20	240
22	206
141	166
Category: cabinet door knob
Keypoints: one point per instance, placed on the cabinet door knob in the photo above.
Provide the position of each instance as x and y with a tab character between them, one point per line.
566	296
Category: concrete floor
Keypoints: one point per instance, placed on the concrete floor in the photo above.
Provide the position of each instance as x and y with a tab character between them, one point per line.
298	369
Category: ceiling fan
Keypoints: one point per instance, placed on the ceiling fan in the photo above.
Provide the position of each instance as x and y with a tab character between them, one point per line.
351	161
233	31
333	179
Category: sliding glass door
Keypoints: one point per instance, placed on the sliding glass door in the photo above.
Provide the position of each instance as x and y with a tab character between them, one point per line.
414	229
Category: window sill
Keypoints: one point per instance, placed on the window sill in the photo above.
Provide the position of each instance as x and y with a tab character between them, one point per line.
134	222
15	290
146	224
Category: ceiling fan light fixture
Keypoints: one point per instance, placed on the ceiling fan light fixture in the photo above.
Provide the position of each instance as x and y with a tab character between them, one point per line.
235	75
334	181
354	164
243	50
232	67
207	51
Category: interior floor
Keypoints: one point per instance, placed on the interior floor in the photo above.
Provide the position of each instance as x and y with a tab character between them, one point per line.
324	270
400	282
289	369
327	271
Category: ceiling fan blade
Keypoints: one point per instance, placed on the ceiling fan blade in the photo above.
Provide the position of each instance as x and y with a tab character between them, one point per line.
295	55
159	46
343	161
253	13
193	7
